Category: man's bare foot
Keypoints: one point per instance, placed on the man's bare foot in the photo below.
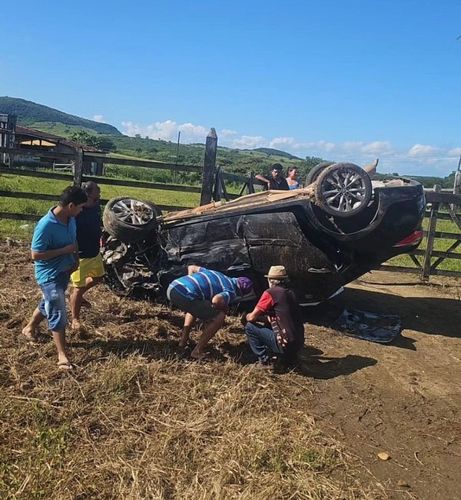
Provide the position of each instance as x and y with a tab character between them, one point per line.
30	333
76	326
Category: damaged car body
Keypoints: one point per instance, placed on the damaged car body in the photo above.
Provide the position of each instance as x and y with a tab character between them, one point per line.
326	235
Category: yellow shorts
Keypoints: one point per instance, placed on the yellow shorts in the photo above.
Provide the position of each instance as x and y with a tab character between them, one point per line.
89	268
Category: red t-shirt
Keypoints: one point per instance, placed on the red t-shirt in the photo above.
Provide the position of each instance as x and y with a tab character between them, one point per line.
265	303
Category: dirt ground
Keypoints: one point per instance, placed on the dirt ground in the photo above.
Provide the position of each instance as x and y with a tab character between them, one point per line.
402	399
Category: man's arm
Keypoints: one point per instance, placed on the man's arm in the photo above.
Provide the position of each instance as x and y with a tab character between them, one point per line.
254	315
262	179
51	254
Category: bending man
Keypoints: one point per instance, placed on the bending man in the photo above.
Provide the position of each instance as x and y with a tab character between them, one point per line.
205	294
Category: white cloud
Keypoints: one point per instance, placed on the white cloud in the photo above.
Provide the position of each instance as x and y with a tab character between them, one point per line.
249	142
377	148
418	159
99	118
278	142
225	132
419	150
454	153
167	131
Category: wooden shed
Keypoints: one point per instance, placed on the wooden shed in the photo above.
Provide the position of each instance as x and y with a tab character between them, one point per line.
29	140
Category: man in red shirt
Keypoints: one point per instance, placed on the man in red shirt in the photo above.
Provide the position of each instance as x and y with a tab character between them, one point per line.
285	336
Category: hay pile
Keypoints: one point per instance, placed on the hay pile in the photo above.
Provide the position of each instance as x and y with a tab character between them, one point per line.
138	421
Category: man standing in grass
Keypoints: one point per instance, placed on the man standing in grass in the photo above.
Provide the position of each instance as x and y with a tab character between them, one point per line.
54	251
91	269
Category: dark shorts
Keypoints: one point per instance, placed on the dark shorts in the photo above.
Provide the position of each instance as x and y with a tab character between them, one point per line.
198	308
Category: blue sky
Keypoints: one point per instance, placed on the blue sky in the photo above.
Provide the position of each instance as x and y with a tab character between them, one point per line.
343	80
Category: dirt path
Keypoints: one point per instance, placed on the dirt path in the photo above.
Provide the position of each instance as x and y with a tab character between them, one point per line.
403	399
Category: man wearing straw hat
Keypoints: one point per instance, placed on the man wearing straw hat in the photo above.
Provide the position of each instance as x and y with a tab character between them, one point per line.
285	336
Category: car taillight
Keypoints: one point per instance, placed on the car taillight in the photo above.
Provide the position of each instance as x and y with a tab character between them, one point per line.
412	239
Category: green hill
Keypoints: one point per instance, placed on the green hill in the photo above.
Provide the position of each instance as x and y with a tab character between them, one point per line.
276	152
31	114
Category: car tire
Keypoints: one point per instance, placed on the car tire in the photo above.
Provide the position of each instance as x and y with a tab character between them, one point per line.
314	172
343	189
129	219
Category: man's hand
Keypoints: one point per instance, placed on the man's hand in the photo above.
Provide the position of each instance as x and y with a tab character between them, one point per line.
69	249
57	252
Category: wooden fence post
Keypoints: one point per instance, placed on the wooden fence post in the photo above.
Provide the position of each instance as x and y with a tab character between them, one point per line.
209	167
78	167
430	237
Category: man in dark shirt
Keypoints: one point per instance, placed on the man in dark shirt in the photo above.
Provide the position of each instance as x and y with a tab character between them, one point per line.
91	268
285	336
277	180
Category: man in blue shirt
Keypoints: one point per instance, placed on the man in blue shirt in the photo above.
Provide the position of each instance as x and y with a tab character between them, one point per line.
91	268
54	251
205	294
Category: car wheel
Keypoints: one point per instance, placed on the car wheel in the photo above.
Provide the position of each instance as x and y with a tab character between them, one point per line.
129	219
343	189
314	172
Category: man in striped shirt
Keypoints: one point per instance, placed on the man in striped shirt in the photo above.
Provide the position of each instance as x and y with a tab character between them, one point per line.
205	294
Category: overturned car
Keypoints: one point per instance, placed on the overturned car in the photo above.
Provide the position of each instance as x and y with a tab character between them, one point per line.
327	234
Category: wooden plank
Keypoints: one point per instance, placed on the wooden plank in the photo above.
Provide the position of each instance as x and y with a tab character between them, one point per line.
37	152
55	198
430	242
445	236
101	180
227	176
415	261
441	197
448	254
136	162
414	270
78	167
16	216
209	167
441	215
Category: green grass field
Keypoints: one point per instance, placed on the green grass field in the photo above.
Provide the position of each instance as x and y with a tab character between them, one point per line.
23	229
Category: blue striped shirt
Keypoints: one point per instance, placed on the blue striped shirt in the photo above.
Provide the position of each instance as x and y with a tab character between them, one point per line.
205	284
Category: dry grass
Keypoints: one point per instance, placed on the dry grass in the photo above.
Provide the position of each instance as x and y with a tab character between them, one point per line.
138	421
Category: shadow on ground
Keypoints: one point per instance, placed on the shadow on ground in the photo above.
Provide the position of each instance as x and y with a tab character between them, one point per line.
311	362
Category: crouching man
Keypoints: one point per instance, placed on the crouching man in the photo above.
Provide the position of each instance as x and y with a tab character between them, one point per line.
205	294
54	251
285	336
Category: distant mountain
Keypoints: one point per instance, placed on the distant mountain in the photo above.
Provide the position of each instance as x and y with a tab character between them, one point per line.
276	152
31	114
